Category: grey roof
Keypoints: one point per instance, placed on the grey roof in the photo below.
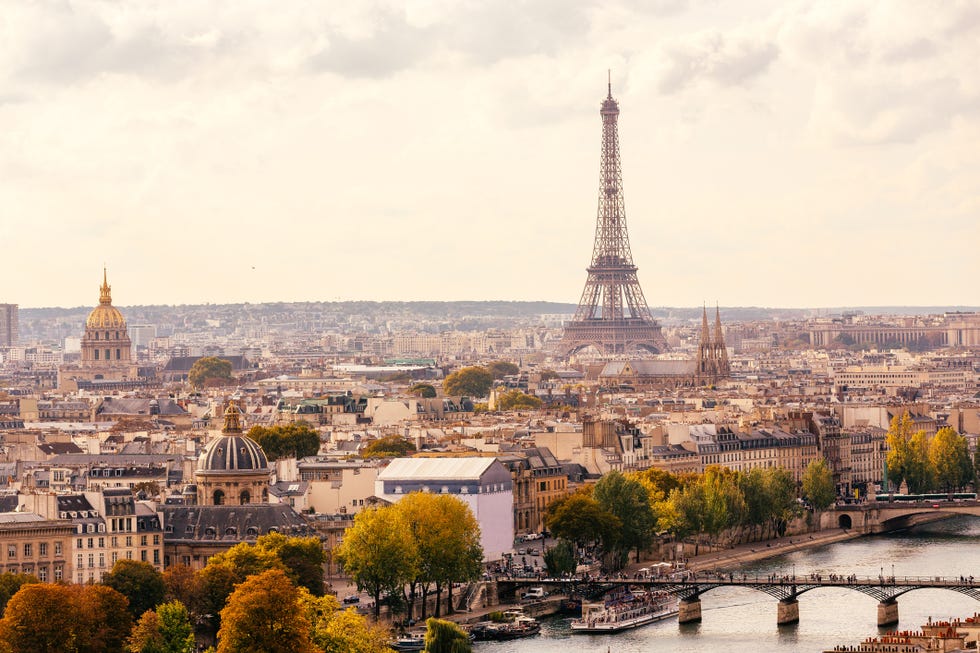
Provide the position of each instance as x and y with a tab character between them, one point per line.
140	406
230	523
57	448
651	367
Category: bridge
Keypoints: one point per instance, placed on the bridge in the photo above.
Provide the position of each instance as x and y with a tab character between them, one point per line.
883	516
786	589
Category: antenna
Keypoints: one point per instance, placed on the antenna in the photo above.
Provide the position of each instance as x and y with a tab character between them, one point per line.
609	76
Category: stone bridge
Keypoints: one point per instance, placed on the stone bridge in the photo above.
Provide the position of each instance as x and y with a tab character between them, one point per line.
883	516
786	589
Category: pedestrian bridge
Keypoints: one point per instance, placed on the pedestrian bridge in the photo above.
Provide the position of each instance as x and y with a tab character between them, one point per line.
785	588
883	516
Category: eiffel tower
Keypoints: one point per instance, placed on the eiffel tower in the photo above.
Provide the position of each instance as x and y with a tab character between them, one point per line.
612	314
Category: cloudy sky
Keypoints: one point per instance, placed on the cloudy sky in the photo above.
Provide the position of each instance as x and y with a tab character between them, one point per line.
782	154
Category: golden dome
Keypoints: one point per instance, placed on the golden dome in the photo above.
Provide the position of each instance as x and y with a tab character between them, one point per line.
105	315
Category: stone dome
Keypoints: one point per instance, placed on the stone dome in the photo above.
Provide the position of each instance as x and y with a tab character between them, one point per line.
232	451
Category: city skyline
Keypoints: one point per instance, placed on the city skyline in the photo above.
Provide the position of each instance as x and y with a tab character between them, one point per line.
801	155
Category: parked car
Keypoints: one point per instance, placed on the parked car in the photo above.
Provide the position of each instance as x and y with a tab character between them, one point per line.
353	598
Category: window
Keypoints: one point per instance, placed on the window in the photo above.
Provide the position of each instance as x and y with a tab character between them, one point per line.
143	555
11	550
101	542
91	560
114	557
96	354
58	573
156	540
28	550
101	560
42	549
143	540
42	574
129	540
57	552
156	556
91	543
118	355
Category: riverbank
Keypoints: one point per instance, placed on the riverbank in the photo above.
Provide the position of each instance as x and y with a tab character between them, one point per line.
753	551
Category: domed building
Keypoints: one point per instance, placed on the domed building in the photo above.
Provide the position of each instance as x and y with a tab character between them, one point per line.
232	469
107	350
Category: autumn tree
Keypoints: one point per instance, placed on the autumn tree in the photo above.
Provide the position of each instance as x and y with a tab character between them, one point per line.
293	440
908	455
949	455
342	631
390	446
628	500
185	585
10	583
500	369
378	553
209	371
474	381
224	572
724	505
818	484
446	637
302	557
40	619
104	619
139	582
517	400
264	615
167	629
560	559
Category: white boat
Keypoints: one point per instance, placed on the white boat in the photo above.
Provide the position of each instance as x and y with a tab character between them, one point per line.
625	610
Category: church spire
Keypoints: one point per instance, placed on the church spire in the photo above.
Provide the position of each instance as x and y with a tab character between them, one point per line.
719	336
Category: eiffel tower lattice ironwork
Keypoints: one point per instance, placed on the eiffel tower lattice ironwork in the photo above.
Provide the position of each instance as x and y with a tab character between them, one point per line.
612	314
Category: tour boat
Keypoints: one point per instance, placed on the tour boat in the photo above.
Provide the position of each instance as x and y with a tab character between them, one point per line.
409	642
520	627
625	610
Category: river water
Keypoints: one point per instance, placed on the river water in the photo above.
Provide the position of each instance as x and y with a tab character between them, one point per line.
740	620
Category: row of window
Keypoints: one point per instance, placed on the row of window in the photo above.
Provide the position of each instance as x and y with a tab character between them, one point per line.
42	550
114	541
95	335
108	354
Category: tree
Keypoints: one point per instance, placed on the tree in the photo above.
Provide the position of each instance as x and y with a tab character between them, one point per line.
104	620
209	371
628	500
303	558
293	440
264	615
560	559
378	553
500	369
580	519
446	637
139	582
724	505
40	618
424	390
10	583
949	455
471	381
908	455
390	446
517	400
818	484
342	631
224	572
164	630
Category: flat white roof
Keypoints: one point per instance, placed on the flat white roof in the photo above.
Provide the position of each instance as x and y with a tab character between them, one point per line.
442	469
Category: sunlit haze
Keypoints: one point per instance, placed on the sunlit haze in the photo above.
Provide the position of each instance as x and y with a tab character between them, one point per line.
774	154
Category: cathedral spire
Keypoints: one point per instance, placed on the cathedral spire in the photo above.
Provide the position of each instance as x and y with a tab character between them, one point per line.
719	335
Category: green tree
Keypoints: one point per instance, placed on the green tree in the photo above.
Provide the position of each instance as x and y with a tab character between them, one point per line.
628	500
424	390
139	582
517	400
580	519
209	371
471	381
164	630
949	455
500	369
818	484
303	558
560	559
293	440
446	637
378	553
724	505
10	583
390	446
264	615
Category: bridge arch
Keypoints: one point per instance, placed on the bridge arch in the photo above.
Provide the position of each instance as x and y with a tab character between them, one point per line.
844	521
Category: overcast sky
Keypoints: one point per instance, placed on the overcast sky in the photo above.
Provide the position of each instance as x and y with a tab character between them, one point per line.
774	153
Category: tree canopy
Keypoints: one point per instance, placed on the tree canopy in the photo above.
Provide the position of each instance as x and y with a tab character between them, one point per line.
517	400
628	501
446	637
908	455
296	439
500	369
264	615
209	371
949	456
139	582
579	518
424	390
390	446
167	629
818	484
473	381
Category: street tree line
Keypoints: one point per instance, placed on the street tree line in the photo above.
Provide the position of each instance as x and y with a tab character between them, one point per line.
418	546
267	596
626	513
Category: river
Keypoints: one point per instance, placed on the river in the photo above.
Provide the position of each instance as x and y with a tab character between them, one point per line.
740	620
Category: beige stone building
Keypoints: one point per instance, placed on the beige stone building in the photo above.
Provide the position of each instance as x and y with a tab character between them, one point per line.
31	544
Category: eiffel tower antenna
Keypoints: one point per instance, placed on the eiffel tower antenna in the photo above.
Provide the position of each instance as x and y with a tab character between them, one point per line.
612	314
